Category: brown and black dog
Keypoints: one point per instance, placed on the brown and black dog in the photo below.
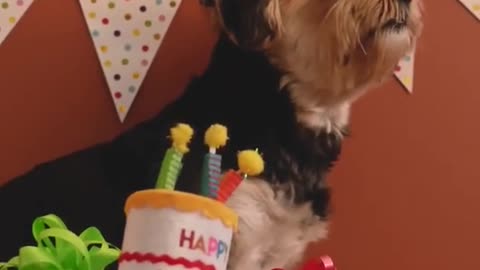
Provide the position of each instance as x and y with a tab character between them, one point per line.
282	78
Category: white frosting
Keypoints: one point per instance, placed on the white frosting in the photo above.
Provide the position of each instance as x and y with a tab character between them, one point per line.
160	231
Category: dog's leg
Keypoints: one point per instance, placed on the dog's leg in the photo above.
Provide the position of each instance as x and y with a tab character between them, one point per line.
273	231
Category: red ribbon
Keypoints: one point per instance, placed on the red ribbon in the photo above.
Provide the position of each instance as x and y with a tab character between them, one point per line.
322	263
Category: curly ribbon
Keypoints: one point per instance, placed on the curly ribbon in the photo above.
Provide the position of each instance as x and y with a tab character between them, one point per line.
67	251
322	263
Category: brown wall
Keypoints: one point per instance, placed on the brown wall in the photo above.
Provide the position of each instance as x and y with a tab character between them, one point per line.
49	112
405	191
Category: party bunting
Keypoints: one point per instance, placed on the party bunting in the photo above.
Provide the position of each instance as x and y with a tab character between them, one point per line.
473	6
404	71
126	36
11	11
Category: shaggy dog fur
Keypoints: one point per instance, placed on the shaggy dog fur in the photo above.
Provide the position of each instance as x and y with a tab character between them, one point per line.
323	54
282	78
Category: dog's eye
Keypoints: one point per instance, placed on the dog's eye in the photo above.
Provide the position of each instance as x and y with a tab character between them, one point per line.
371	33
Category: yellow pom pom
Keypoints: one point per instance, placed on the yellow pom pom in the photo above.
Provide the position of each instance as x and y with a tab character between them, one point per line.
250	162
216	136
181	135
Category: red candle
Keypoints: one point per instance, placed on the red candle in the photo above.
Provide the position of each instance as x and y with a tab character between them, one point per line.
229	183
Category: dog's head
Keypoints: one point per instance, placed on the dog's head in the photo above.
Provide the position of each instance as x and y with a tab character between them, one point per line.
331	49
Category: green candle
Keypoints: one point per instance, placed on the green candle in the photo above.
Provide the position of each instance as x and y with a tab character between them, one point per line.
181	135
170	169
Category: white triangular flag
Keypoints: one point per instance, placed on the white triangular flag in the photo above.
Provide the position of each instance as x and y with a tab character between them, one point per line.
11	11
126	35
473	6
404	71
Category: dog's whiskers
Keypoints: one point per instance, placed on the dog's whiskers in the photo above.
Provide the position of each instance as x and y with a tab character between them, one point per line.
362	47
330	11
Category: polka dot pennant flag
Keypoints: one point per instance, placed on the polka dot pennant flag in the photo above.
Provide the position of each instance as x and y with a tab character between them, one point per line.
126	35
404	71
11	11
473	6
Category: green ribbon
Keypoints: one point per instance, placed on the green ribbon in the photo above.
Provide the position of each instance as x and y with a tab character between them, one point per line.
60	249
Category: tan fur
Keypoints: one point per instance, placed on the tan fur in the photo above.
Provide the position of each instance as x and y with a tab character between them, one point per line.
325	47
319	37
273	232
333	51
273	13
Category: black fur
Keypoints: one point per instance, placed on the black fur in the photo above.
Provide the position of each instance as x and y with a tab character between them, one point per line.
245	20
207	3
239	89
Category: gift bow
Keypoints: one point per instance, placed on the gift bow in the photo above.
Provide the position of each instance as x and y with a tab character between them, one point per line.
87	251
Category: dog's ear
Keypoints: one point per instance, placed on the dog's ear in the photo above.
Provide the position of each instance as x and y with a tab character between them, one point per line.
250	23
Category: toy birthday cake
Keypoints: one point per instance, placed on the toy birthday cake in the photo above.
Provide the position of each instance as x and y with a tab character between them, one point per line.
165	229
168	229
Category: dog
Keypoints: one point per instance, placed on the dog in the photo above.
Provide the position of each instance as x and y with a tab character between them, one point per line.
282	77
327	54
